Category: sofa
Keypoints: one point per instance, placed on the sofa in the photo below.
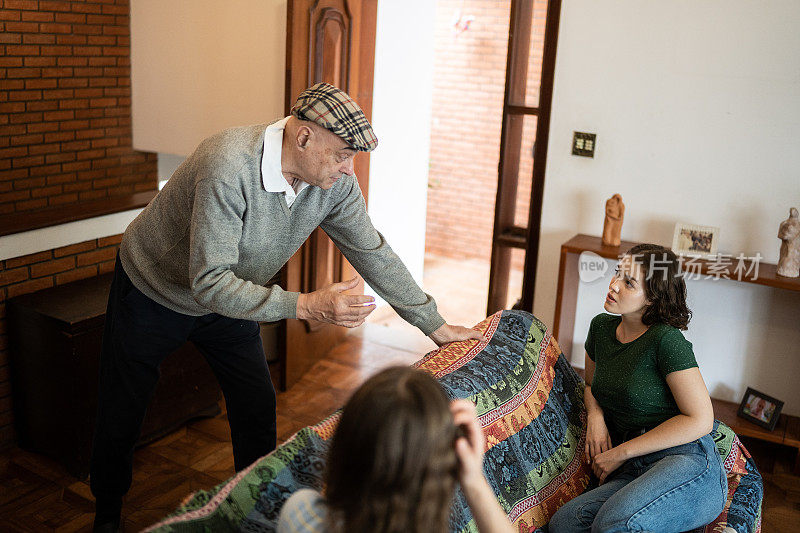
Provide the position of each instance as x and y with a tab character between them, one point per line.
530	404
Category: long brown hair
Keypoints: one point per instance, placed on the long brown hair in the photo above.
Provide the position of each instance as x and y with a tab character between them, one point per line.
392	465
664	286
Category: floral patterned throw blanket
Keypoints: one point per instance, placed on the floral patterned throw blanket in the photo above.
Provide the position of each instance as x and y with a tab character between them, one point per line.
530	404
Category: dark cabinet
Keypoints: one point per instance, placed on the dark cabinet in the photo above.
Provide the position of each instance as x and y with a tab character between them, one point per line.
55	337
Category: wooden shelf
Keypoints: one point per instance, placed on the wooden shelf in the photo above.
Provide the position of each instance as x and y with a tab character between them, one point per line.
767	274
726	412
568	278
786	432
52	216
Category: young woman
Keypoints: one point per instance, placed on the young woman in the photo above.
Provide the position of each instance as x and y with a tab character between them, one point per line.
649	413
397	453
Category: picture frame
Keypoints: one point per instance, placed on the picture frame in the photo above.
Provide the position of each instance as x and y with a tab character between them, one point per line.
760	409
695	241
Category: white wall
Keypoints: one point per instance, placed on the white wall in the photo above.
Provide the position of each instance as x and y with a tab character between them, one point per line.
167	164
697	110
401	117
200	66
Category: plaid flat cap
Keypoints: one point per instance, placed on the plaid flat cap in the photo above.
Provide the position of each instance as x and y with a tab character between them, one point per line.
335	111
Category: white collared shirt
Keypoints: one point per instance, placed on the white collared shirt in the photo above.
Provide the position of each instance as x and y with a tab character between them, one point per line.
271	174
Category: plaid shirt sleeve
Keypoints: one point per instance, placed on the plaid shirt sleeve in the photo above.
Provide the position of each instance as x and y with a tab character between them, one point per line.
303	512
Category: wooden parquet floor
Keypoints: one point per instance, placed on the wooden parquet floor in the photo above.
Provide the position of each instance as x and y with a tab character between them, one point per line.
37	495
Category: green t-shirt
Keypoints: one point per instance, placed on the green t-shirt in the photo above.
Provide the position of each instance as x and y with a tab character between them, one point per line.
630	378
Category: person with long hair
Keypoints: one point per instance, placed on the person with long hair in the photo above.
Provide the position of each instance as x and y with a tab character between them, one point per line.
398	451
649	414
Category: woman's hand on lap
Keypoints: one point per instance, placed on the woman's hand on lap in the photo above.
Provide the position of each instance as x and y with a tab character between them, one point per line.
606	462
597	438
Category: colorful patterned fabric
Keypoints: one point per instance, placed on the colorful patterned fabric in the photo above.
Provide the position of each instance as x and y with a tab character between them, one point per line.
530	403
745	487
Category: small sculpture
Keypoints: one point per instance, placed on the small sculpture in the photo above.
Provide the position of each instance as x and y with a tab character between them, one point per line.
789	233
612	226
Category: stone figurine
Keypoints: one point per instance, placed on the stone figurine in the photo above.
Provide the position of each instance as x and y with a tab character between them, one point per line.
789	233
612	226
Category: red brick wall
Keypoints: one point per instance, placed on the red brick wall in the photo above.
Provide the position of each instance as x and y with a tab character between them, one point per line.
30	273
65	105
65	137
469	82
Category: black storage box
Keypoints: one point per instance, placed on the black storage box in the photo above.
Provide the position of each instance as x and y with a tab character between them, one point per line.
55	338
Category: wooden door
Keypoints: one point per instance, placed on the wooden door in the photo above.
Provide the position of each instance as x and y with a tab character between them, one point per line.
530	67
329	41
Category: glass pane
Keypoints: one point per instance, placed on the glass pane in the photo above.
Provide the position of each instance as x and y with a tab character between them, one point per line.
518	168
515	277
525	176
526	64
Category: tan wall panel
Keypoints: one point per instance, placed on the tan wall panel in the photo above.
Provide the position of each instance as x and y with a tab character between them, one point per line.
200	66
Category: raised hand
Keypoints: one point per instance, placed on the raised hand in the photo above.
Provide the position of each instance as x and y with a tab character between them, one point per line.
469	446
330	304
489	516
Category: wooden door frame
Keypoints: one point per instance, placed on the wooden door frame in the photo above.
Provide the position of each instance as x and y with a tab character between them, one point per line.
506	235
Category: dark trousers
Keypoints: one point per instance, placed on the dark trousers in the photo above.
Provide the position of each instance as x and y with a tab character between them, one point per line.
139	334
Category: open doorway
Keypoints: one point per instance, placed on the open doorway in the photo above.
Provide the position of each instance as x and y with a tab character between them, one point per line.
468	53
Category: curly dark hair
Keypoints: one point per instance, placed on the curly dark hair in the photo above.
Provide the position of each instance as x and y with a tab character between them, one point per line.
664	285
392	466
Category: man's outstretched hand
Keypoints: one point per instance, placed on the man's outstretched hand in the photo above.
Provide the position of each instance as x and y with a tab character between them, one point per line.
447	333
330	304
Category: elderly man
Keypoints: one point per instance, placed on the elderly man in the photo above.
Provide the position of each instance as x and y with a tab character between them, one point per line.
197	263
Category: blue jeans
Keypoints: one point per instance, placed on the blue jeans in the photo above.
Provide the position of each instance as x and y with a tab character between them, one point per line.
677	489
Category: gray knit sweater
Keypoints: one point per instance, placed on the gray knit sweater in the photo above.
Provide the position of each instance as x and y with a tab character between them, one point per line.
213	237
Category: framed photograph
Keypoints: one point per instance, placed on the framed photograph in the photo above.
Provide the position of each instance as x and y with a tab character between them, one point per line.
760	409
694	240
